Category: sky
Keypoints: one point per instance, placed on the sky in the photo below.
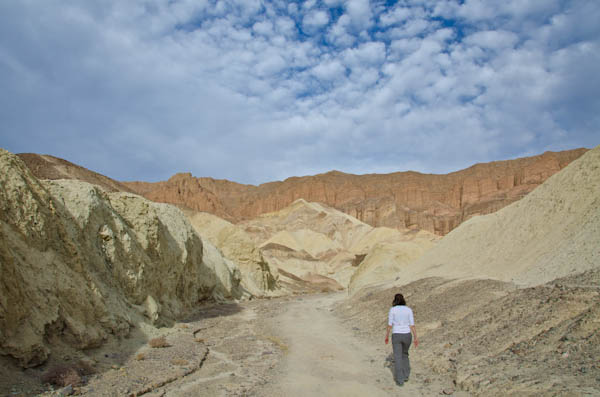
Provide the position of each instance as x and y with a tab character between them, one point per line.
256	91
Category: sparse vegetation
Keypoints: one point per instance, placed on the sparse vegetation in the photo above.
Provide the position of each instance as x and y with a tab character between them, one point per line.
84	368
64	375
159	342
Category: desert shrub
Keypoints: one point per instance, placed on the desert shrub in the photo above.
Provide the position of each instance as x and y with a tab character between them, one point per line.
84	368
63	375
158	342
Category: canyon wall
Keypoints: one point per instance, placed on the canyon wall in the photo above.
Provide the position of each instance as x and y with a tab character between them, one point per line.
80	265
436	203
553	232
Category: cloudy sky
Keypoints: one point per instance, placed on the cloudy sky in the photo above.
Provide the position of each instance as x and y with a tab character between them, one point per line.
255	91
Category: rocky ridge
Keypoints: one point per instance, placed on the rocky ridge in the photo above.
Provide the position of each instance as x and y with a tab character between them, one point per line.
321	245
402	200
50	167
80	266
552	232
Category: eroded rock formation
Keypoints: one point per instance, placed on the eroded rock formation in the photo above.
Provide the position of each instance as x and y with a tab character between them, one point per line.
553	232
79	265
258	277
321	245
436	203
44	166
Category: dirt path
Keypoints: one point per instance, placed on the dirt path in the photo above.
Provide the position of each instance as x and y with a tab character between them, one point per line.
292	346
324	357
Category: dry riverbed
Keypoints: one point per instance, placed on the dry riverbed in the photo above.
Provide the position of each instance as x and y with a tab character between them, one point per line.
478	337
293	346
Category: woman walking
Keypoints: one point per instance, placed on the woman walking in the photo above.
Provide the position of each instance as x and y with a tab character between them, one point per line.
402	324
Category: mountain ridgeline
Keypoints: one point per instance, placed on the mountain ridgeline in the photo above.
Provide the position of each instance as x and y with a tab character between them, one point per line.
401	200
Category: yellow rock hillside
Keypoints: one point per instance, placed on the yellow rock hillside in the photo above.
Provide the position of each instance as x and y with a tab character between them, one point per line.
79	265
312	241
258	277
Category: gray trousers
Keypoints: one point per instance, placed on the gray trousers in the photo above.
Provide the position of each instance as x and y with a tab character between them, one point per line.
401	344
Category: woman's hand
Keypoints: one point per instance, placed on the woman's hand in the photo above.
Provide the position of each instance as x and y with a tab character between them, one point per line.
413	330
387	334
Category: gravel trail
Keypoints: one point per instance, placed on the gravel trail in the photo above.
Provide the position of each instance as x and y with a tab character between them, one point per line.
325	358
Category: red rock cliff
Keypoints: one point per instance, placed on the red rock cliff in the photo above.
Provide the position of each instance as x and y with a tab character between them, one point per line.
437	203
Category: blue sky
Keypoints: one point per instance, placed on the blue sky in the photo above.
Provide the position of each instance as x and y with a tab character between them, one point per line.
255	91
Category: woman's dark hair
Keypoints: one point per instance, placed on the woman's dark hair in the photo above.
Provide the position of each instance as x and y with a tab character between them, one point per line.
399	300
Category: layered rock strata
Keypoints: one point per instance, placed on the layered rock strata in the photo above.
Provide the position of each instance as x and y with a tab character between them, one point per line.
436	203
50	167
79	265
318	244
553	232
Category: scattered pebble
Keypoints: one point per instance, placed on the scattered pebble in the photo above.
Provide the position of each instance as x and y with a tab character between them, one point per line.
66	391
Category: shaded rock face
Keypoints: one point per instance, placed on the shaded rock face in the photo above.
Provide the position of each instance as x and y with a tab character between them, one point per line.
386	261
436	203
79	265
258	277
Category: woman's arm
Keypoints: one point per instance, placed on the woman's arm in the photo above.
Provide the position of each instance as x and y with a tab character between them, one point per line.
387	334
414	332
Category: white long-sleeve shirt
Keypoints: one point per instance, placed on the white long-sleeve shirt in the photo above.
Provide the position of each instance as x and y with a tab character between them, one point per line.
401	318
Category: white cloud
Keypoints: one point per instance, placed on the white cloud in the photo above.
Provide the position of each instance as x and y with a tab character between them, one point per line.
309	4
315	20
338	33
396	15
285	25
264	28
270	64
477	10
360	13
292	8
371	53
234	89
492	39
411	28
329	70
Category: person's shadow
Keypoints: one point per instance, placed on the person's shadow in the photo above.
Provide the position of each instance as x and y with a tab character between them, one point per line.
389	363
